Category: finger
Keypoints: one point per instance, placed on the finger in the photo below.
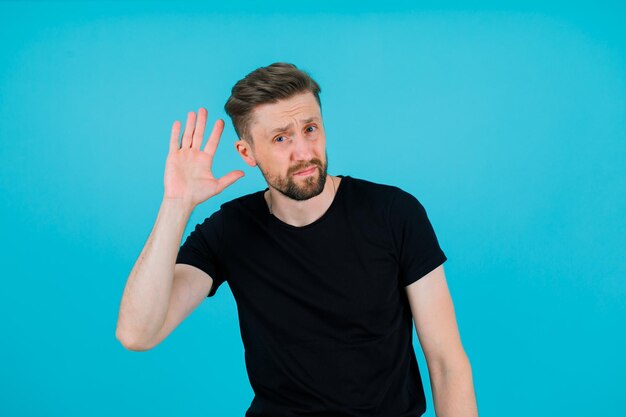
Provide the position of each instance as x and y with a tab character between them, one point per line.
174	136
198	133
211	144
191	121
229	179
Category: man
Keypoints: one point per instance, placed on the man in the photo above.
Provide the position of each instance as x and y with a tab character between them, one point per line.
327	271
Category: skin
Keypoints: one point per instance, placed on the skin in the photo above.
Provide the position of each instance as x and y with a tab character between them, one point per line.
160	294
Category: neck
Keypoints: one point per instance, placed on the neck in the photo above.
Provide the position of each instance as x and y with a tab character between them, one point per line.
302	213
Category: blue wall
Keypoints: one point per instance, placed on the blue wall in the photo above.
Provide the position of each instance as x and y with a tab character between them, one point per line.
509	125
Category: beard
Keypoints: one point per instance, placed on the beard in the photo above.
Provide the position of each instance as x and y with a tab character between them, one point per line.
312	185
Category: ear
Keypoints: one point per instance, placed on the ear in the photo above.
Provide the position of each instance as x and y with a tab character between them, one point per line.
244	149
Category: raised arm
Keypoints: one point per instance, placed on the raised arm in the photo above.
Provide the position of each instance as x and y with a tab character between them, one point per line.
158	294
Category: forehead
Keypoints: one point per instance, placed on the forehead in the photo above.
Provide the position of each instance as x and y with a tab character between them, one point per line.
266	117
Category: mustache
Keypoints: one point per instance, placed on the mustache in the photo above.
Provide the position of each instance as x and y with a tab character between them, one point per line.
306	165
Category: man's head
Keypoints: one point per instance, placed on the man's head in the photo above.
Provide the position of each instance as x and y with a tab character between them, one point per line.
263	86
277	115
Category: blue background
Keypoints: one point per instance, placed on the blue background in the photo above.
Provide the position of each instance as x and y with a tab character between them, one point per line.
507	122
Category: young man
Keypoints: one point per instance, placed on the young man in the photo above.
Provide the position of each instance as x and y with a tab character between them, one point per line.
328	272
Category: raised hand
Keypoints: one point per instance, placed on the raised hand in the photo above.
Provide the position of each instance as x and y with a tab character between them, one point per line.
188	173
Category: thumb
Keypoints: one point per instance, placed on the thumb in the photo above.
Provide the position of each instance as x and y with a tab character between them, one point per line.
229	179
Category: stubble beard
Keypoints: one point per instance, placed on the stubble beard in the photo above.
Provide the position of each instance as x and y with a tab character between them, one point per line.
313	185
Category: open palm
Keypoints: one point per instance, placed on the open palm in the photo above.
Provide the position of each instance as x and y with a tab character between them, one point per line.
188	173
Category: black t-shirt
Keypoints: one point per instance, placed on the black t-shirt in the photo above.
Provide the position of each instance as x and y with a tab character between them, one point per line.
324	317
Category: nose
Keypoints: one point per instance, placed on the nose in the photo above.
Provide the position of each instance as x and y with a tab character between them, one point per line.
302	149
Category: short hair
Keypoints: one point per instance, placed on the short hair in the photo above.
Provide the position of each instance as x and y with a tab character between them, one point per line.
266	85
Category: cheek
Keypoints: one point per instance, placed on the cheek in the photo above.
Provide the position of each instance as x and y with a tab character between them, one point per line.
321	145
275	162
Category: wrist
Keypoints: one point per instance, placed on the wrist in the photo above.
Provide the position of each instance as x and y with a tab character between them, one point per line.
177	204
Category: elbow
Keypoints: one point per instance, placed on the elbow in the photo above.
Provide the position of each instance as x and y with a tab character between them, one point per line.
453	362
132	342
461	366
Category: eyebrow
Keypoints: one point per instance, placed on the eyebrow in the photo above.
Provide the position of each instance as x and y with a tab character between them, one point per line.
304	121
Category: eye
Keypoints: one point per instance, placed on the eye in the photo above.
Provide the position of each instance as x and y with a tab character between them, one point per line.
279	139
311	129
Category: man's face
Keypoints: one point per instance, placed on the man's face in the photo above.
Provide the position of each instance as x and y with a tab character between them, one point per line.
290	146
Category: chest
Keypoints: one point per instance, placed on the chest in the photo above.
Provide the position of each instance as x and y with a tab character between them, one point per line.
338	280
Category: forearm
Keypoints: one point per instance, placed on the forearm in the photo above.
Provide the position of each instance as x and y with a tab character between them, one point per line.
453	390
145	300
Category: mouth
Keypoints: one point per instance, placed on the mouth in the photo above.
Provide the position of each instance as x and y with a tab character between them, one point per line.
307	171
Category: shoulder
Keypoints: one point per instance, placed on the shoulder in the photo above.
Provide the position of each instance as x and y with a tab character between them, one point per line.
231	210
384	194
252	201
363	186
241	212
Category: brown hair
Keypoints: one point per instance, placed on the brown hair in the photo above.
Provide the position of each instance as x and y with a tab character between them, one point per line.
266	85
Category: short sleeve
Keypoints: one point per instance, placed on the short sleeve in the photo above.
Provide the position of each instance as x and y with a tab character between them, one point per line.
201	249
416	243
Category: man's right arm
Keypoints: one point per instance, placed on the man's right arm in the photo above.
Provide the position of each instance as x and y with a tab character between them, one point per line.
159	294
